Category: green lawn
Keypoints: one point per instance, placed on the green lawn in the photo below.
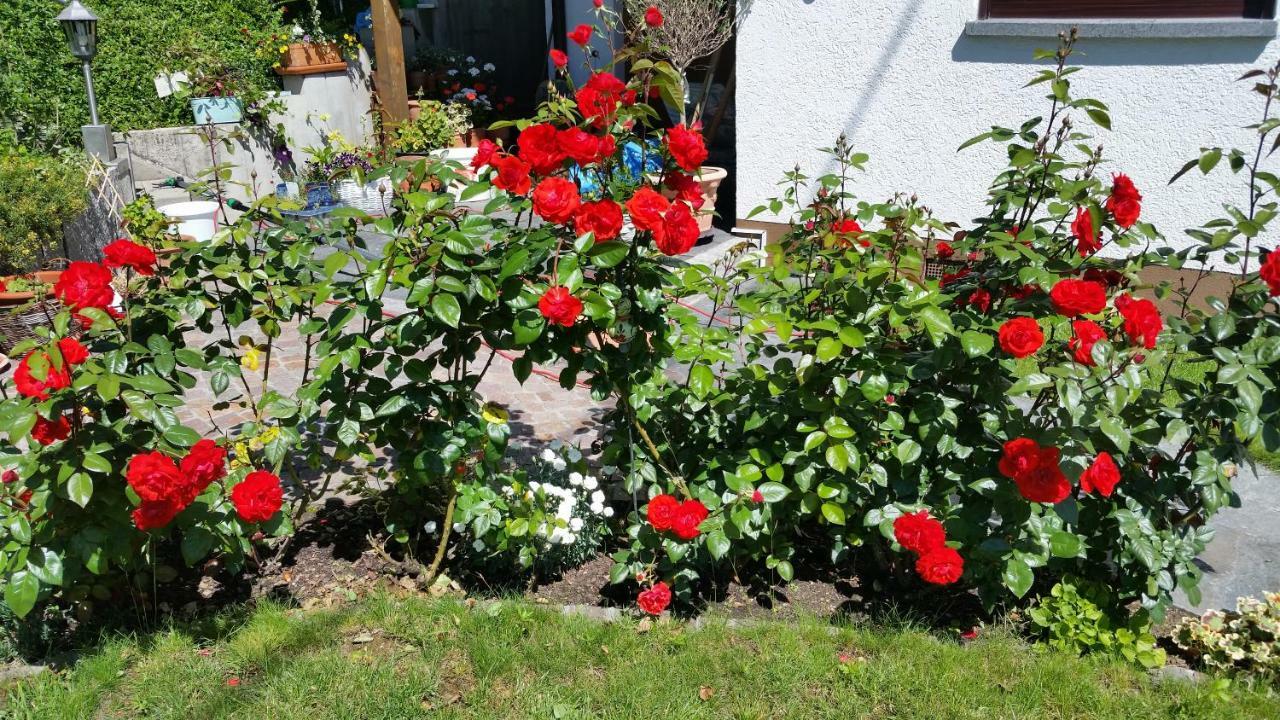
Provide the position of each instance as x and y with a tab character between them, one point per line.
441	659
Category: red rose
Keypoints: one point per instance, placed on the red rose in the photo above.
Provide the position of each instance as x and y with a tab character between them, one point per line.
560	307
85	285
1125	203
687	147
849	227
1110	278
9	477
1082	228
757	497
513	175
686	188
484	154
258	497
1040	479
28	385
688	518
1142	322
598	3
981	300
655	599
1020	456
647	209
653	17
940	566
539	146
556	200
1084	333
559	57
1078	297
1270	271
48	432
581	34
944	250
1021	336
918	532
155	514
205	462
1023	292
583	147
602	217
73	352
679	231
1102	475
126	253
599	98
662	512
154	476
950	278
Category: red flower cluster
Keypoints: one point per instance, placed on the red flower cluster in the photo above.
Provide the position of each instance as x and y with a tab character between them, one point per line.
1125	202
686	189
167	489
602	217
1270	271
1142	322
126	253
1084	333
656	599
1086	239
1103	475
560	307
581	34
687	147
1035	470
258	497
943	250
559	58
1020	336
55	377
681	518
1078	297
674	228
598	100
923	535
556	199
653	16
85	285
48	432
513	174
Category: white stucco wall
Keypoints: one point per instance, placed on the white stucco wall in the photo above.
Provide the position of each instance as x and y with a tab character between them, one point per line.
908	86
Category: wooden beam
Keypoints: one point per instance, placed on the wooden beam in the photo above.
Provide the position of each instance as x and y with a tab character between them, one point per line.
388	46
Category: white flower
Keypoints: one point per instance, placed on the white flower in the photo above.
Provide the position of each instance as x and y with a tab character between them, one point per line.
575	524
489	67
430	527
474	71
597	497
471	60
559	464
556	445
452	72
575	479
597	508
608	512
548	456
569	539
565	510
591	483
459	527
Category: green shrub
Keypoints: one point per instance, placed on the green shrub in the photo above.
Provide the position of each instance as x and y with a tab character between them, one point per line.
41	90
434	129
1247	640
1077	617
38	194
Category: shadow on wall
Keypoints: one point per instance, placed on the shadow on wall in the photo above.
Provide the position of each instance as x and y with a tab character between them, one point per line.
1113	51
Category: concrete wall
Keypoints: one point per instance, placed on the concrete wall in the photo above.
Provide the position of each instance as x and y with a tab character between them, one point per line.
317	105
908	85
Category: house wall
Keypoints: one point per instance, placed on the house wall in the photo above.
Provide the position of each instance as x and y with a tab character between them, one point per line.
908	86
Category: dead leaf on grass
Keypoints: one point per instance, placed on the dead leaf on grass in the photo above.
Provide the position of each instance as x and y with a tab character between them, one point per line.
705	693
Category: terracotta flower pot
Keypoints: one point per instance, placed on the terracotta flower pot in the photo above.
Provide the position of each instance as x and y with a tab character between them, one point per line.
13	299
415	110
312	59
709	178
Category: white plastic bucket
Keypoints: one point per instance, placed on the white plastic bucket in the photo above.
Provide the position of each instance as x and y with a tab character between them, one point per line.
193	218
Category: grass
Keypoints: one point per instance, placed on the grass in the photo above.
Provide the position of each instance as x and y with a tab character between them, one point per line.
442	659
1195	371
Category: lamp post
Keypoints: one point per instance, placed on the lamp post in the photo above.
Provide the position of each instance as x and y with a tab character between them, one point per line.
80	26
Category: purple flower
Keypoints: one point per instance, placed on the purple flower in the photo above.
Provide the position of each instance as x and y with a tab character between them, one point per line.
283	155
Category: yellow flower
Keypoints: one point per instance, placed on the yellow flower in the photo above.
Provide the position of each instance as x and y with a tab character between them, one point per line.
250	360
494	413
241	458
266	436
284	48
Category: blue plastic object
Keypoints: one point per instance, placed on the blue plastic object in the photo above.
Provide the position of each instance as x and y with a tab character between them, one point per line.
217	110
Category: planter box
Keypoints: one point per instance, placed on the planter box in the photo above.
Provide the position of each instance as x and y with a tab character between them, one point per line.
217	110
312	59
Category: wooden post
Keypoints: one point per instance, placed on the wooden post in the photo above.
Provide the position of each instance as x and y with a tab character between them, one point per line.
388	45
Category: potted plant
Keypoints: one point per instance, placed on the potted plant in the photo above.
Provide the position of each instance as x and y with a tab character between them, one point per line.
147	226
213	96
685	31
428	67
17	290
468	83
437	126
310	48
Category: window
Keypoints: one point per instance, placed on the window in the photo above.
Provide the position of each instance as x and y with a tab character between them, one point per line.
1126	8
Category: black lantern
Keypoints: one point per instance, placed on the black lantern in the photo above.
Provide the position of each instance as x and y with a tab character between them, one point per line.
80	26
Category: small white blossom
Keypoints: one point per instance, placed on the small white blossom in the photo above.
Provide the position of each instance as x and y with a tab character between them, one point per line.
430	527
535	486
459	527
559	465
471	60
575	524
591	483
474	71
574	454
608	512
489	67
575	479
548	456
597	497
569	539
597	508
452	72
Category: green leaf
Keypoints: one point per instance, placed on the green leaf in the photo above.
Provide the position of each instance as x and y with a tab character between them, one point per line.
609	254
181	436
975	343
701	380
446	308
1017	576
1115	430
937	323
717	544
785	571
196	544
837	457
20	592
908	451
774	492
93	462
1064	544
80	489
833	513
874	387
828	349
45	565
